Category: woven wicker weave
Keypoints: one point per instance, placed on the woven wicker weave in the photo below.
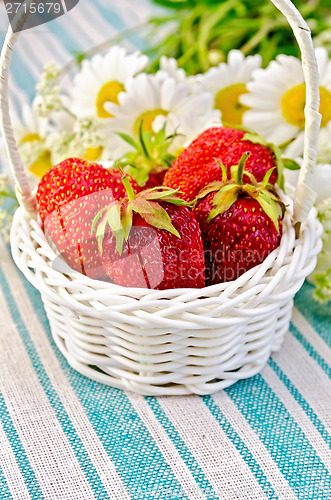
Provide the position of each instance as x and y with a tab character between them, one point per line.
177	341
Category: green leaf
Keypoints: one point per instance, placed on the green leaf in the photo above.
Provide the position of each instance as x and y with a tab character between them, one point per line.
97	218
251	177
100	234
234	173
279	164
160	219
114	217
227	187
252	191
164	193
214	186
142	206
290	164
114	220
142	139
160	137
129	140
270	209
126	218
267	176
223	202
158	193
79	56
254	138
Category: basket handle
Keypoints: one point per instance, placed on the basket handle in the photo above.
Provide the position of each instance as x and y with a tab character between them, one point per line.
304	196
23	190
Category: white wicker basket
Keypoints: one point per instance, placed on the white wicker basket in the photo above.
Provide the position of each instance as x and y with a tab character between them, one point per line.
175	341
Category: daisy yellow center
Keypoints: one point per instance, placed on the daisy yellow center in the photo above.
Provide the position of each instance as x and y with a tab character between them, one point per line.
30	138
148	118
227	101
42	164
93	154
108	93
293	105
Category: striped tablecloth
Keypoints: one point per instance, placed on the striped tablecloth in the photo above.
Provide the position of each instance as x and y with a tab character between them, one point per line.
63	436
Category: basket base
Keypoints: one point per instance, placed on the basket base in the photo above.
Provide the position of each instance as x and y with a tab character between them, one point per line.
250	364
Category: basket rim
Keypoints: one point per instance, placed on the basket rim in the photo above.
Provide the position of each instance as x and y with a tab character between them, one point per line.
76	277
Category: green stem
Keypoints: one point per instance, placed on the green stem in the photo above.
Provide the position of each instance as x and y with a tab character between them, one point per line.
7	194
127	185
241	166
141	139
207	23
70	113
266	26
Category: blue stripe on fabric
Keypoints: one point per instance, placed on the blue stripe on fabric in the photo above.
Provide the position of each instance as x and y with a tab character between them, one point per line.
4	490
301	400
124	436
310	349
61	414
318	315
112	17
181	447
20	455
65	36
241	447
282	436
24	79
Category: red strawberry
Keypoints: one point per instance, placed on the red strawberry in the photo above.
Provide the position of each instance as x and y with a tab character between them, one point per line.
154	242
69	227
71	179
155	179
240	225
197	166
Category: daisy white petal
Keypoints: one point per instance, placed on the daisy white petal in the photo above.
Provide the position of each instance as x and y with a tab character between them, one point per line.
276	96
227	82
169	67
101	80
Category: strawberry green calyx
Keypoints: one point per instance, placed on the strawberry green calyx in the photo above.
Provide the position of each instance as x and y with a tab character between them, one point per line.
118	216
228	191
281	162
150	154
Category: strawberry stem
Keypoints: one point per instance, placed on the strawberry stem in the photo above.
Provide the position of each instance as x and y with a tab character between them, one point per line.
241	166
127	184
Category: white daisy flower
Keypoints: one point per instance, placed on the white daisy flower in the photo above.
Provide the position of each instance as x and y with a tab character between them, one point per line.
277	100
169	66
228	82
30	132
151	97
102	79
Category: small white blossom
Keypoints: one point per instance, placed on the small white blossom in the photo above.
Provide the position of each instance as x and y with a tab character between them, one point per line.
84	135
31	151
48	98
